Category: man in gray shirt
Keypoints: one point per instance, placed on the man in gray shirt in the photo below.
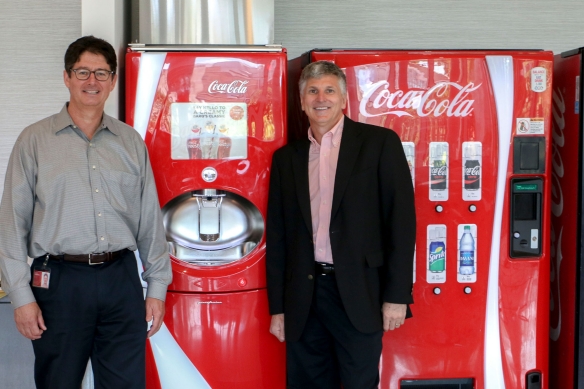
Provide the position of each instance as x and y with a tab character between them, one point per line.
79	198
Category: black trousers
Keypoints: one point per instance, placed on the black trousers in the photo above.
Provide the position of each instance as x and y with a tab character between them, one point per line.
331	351
91	311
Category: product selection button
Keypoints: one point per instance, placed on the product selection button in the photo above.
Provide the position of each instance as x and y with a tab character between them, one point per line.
209	174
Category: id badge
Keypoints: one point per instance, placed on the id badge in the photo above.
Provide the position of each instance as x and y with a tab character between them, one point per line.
41	276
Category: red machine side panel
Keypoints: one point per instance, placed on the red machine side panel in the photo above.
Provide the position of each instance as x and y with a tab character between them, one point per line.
565	259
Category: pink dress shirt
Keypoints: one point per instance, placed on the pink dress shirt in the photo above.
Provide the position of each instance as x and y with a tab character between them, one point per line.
322	167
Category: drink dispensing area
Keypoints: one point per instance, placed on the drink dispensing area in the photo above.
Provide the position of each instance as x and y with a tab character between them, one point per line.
215	118
210	105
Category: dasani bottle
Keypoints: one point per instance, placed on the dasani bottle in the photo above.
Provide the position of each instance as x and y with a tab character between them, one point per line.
467	253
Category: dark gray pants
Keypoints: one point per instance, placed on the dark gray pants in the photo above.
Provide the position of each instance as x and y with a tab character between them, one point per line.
331	351
95	312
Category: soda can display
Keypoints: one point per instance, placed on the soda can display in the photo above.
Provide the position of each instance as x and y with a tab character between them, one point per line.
438	170
471	170
436	259
467	249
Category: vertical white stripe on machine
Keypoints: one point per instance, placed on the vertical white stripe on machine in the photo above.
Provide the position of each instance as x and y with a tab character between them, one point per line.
148	77
175	369
501	73
150	70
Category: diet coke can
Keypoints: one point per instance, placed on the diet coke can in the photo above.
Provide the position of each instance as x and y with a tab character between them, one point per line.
471	171
438	167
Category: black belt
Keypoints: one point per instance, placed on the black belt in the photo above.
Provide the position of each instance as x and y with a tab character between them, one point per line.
324	269
91	259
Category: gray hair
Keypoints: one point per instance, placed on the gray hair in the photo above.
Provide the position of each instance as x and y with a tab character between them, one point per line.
320	69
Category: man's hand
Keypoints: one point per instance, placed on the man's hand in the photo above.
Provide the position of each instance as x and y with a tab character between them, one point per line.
394	315
29	321
155	313
277	327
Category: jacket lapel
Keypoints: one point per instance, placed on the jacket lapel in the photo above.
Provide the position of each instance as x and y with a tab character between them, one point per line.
300	168
348	153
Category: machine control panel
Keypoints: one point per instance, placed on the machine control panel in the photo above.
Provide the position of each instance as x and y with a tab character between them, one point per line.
526	204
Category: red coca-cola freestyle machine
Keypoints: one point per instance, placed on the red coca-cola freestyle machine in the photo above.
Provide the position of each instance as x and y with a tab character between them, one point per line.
476	130
211	117
567	276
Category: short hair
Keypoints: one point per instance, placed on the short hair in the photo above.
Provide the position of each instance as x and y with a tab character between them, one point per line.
93	45
320	69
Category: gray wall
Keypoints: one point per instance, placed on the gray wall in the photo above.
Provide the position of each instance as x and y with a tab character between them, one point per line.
33	37
556	25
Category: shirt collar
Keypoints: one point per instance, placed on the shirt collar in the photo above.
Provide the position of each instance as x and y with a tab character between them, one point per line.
336	131
63	120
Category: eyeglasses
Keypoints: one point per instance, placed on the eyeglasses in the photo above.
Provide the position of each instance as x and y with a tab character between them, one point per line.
100	74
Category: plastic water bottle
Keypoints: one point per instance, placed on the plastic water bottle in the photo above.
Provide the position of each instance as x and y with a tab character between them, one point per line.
467	253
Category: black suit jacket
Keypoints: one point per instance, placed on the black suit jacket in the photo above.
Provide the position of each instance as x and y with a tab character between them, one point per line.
372	229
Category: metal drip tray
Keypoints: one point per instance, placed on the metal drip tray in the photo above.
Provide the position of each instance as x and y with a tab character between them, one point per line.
211	227
210	257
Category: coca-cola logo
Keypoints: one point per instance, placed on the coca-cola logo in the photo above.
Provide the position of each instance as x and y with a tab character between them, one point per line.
235	87
425	103
558	141
438	171
472	171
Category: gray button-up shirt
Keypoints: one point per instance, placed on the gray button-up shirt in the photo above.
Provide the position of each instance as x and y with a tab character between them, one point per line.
65	194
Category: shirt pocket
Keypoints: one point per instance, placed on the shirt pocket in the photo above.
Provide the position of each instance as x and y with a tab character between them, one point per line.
123	191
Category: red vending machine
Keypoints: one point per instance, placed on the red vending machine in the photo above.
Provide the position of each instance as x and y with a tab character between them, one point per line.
567	277
211	117
476	130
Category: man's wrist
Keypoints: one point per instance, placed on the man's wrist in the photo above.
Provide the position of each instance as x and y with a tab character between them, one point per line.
156	290
21	296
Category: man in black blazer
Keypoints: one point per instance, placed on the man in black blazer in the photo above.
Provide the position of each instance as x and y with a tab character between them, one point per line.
341	232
